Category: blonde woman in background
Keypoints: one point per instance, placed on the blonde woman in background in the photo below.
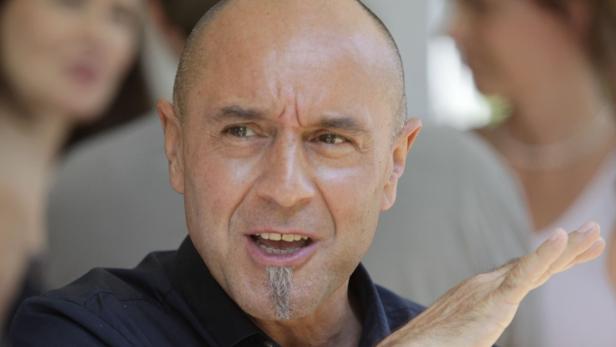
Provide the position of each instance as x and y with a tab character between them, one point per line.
550	60
61	63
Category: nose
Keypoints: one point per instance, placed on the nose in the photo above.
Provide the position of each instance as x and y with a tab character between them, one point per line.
285	180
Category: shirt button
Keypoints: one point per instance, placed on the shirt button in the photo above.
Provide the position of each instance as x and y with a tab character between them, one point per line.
269	344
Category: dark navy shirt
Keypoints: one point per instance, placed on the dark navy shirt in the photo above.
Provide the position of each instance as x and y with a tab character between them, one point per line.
171	299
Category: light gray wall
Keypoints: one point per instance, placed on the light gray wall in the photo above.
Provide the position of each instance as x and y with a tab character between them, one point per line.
408	22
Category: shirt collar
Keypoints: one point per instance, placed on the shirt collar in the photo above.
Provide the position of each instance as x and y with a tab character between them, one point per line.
230	326
373	316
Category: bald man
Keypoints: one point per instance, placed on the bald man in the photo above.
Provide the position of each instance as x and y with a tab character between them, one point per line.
287	137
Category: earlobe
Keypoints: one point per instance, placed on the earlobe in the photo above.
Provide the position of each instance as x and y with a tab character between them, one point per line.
173	144
400	151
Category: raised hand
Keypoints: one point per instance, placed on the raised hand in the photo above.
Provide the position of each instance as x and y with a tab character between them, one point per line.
476	312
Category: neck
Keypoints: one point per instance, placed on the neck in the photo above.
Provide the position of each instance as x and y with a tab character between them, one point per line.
333	324
29	145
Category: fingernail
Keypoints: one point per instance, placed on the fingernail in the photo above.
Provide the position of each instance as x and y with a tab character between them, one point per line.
556	235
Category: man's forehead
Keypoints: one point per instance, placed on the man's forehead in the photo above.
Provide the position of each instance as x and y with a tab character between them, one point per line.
289	43
306	53
298	80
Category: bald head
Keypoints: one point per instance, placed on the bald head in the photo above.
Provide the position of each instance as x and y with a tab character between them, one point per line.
292	18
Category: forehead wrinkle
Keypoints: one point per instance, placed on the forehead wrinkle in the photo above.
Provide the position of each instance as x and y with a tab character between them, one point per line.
293	99
354	54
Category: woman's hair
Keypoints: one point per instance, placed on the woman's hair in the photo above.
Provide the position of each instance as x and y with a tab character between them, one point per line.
604	42
132	101
7	95
186	13
601	37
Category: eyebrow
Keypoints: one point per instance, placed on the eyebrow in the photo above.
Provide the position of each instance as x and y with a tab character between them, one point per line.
238	112
332	121
342	122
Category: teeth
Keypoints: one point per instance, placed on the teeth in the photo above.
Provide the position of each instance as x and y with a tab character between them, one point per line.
288	237
283	237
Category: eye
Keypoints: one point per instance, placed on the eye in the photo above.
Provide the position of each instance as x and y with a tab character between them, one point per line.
239	131
331	139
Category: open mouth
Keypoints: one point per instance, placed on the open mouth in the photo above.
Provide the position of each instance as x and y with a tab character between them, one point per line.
280	244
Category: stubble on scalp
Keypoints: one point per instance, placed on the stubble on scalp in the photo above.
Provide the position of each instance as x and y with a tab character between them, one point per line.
280	280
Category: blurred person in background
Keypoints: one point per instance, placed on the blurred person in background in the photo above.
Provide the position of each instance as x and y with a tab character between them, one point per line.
61	63
550	61
112	202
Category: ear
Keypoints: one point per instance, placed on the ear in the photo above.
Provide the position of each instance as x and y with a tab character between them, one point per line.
400	151
173	144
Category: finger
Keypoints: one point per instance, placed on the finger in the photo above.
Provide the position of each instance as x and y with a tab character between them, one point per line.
524	275
579	242
504	269
498	275
592	253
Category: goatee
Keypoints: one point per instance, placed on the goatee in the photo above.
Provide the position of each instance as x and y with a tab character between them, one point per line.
279	280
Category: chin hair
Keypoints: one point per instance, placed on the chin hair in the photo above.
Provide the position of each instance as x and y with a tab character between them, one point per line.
279	281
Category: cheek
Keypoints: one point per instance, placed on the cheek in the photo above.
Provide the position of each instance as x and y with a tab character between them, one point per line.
117	53
121	52
353	195
216	186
